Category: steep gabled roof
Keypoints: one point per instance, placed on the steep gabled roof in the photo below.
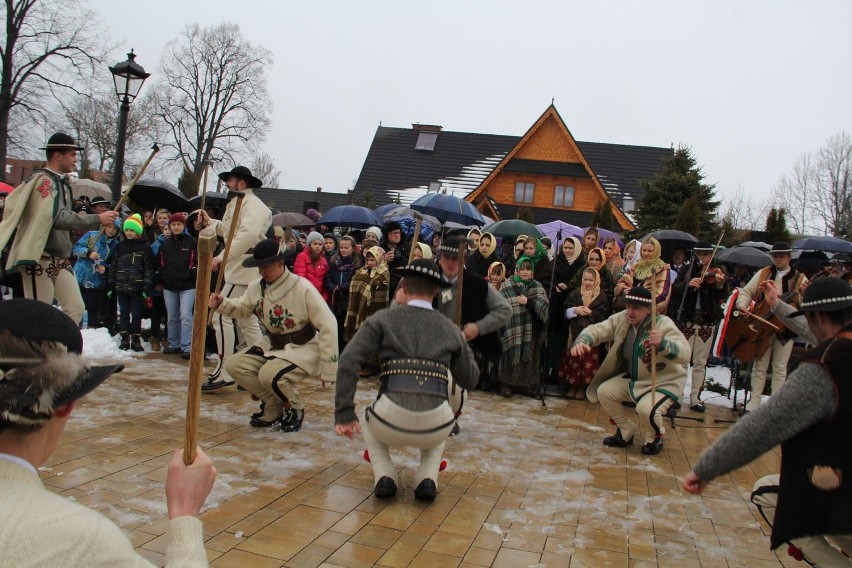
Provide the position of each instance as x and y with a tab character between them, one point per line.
620	167
294	200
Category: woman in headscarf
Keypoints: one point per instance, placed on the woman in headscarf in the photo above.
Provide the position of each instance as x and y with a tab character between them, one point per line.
479	261
569	260
632	255
613	255
652	270
585	306
595	259
590	239
369	292
473	236
542	265
517	252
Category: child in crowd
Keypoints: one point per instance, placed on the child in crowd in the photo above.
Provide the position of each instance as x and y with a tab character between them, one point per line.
93	252
176	271
130	276
330	243
369	291
155	304
341	270
522	338
542	265
584	307
311	264
497	274
423	251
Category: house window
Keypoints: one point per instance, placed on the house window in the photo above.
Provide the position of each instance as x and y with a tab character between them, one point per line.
524	192
426	141
563	196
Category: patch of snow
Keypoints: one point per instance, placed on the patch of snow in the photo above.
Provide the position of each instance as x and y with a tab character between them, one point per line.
99	345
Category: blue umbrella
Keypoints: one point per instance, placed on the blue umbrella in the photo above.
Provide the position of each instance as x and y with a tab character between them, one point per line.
382	209
448	208
353	216
827	244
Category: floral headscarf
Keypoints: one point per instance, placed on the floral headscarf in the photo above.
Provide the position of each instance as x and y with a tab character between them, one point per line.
578	249
497	268
655	264
590	295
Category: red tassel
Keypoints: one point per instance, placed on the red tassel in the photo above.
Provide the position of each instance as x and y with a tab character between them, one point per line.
611	421
795	552
366	455
443	465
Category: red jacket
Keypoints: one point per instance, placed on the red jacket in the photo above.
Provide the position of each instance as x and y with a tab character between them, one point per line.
315	273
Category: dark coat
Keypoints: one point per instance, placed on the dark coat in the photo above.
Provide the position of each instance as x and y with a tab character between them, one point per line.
478	265
337	281
177	262
131	270
600	311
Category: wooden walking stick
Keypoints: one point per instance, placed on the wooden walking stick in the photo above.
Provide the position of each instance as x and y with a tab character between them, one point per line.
419	219
204	185
206	246
654	347
235	225
459	288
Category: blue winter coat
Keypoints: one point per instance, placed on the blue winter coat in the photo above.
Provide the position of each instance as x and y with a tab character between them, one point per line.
339	277
84	268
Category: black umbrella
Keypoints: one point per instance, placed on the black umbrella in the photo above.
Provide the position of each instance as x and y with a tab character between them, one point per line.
291	220
670	240
215	199
150	193
747	256
827	244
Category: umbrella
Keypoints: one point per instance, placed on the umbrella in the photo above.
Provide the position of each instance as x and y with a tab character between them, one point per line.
448	208
670	239
408	224
756	244
5	188
745	255
402	212
291	220
382	209
809	261
91	189
552	229
215	199
353	216
604	234
513	228
151	193
827	244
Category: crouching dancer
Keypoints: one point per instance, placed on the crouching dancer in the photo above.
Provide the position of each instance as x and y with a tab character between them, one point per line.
42	374
300	340
420	352
625	375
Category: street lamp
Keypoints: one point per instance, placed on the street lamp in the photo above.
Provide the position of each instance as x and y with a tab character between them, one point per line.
128	76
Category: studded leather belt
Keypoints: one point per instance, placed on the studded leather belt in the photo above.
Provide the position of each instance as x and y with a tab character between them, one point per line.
299	337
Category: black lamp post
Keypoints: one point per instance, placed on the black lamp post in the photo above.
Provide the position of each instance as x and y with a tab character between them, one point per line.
128	76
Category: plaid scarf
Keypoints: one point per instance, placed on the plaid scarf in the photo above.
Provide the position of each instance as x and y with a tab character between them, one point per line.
369	292
526	322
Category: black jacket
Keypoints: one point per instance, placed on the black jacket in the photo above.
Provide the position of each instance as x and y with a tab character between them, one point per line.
711	294
177	262
131	270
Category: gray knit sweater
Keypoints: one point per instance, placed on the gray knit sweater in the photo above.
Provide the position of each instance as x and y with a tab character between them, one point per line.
403	331
807	397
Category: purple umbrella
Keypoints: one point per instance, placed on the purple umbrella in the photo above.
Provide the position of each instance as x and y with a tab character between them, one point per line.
551	230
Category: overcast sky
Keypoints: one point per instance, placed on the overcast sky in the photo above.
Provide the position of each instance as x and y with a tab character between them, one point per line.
749	85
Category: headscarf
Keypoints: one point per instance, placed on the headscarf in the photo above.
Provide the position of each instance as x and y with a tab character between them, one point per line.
496	267
470	238
629	263
578	249
493	245
522	259
616	251
645	267
378	253
589	230
590	295
540	253
600	253
426	250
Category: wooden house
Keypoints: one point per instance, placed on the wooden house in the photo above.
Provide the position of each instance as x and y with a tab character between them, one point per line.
545	170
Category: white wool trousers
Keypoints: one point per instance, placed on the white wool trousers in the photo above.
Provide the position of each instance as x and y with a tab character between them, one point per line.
53	278
228	331
700	352
270	379
779	355
399	427
614	391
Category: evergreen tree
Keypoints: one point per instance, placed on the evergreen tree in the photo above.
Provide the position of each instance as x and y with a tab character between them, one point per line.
188	183
680	180
776	226
603	216
525	214
689	216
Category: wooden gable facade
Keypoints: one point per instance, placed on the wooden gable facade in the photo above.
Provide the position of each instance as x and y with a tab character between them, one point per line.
545	170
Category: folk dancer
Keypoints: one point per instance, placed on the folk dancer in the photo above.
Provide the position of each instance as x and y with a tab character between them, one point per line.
625	375
787	280
702	310
421	352
39	216
300	340
808	505
254	220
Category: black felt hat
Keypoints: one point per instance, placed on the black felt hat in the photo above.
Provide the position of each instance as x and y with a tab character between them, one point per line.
41	362
840	258
452	245
243	173
638	296
61	141
703	246
826	295
265	252
781	247
98	200
424	269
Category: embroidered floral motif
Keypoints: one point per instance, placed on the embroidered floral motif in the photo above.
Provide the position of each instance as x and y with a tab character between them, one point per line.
33	269
45	188
258	309
280	316
56	266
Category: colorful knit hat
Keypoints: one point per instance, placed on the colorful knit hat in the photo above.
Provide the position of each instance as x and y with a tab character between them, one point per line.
133	223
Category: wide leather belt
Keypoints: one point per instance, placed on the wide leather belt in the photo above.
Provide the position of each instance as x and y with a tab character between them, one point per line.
299	337
414	376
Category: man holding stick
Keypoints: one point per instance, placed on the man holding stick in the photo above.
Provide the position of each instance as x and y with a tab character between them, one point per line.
301	338
243	233
40	217
626	374
44	374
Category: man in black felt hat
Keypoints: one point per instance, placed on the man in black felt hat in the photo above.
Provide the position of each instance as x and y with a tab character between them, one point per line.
39	216
300	340
840	266
255	219
698	312
788	281
811	417
421	354
625	374
42	375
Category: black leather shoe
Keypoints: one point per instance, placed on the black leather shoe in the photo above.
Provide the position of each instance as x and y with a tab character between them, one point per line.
259	422
456	430
617	440
216	384
185	355
292	420
698	407
171	350
653	448
385	487
426	490
259	413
